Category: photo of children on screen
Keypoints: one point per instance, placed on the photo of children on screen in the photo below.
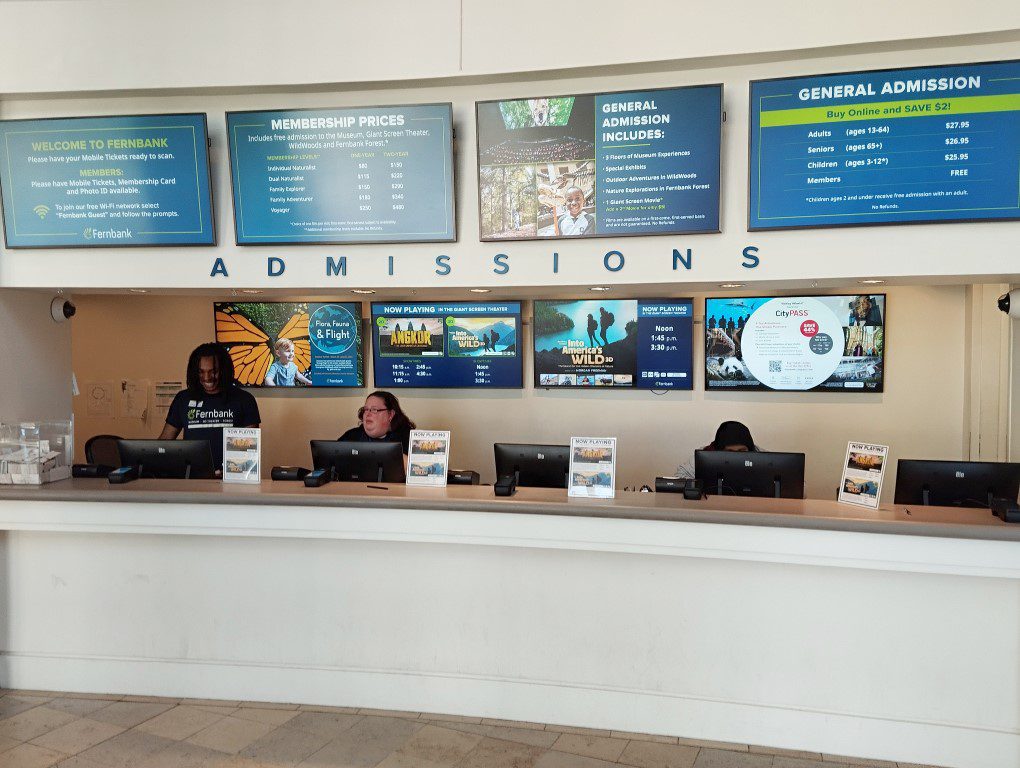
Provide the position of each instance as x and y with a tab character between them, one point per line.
284	372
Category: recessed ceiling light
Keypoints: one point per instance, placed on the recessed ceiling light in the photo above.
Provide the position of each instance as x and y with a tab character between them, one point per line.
600	288
138	290
363	291
871	282
481	290
251	291
732	285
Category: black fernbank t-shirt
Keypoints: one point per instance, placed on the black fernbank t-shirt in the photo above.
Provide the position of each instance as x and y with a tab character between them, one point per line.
203	417
358	435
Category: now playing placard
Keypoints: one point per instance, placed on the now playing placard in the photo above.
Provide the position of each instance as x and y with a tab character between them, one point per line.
106	181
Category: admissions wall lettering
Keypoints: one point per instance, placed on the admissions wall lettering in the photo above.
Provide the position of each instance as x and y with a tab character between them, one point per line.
106	181
358	175
891	146
628	163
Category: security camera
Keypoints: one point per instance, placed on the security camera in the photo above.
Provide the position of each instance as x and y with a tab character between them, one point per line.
1010	303
62	309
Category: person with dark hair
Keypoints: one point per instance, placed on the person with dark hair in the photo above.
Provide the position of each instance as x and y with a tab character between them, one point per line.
593	326
606	319
382	420
864	310
211	401
732	436
575	222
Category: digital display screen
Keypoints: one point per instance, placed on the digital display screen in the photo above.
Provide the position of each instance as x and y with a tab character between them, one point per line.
447	344
604	164
355	175
827	343
282	344
102	182
892	146
630	343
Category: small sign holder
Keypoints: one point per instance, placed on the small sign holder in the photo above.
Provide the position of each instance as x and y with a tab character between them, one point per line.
242	455
863	470
428	457
592	467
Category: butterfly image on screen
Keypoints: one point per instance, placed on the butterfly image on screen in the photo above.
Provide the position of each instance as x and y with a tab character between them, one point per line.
250	331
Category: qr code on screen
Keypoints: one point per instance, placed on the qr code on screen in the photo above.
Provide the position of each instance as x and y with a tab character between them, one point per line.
775	366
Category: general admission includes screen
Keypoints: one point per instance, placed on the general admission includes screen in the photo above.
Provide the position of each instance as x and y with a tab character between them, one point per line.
829	343
356	175
133	180
886	147
627	163
636	343
447	344
325	346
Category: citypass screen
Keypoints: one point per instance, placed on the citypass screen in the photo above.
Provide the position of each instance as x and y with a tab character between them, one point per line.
447	344
633	343
825	343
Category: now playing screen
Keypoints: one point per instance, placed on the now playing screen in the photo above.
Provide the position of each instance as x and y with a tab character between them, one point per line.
447	344
828	343
632	343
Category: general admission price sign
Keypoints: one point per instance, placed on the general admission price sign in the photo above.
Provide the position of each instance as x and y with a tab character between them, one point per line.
886	147
106	181
360	175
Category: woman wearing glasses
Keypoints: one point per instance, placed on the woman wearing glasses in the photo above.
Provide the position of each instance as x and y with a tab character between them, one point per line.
381	420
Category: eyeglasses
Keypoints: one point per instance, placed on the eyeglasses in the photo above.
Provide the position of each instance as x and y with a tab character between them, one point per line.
374	410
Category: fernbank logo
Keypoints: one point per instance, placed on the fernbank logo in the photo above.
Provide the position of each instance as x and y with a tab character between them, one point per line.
90	233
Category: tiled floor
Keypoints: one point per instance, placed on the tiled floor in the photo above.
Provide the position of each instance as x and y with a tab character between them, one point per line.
42	729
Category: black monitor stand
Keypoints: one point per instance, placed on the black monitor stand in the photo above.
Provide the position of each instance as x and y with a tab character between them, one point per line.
777	485
926	497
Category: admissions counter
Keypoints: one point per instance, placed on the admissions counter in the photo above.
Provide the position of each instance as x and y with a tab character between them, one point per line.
890	633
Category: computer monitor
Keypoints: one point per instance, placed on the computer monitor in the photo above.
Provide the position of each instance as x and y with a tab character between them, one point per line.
535	466
360	462
168	459
955	483
751	473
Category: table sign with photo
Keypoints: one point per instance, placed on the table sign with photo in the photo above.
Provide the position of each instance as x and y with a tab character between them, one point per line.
242	455
863	470
592	467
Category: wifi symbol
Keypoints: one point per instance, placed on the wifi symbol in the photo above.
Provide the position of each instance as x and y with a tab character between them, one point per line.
41	211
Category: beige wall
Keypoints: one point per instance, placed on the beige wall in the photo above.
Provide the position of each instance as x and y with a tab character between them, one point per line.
101	45
35	372
921	414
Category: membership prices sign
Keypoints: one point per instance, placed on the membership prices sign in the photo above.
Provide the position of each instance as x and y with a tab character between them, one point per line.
106	181
357	175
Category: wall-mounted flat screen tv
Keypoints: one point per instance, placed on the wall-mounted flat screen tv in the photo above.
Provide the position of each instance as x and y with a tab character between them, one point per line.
600	164
798	343
447	344
621	343
101	182
891	146
354	175
293	344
